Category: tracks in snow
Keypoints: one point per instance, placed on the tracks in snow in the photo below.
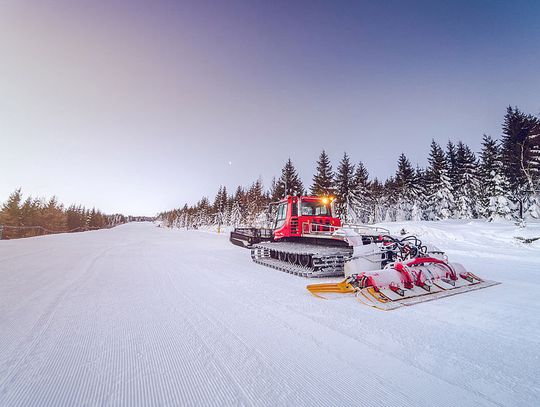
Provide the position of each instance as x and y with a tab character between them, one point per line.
159	317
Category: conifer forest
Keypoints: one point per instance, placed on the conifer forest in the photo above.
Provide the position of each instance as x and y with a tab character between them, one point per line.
500	182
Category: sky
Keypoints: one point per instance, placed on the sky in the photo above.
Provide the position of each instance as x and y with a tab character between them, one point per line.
138	107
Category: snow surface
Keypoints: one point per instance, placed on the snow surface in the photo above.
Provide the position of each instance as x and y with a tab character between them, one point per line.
140	315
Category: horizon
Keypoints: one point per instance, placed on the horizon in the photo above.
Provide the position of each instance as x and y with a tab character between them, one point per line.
137	109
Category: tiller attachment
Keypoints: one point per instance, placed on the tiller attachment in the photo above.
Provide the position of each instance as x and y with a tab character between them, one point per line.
406	283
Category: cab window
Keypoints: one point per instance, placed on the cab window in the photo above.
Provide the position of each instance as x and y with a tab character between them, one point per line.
281	215
315	209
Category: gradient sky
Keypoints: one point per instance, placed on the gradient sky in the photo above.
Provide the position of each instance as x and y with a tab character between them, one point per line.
138	107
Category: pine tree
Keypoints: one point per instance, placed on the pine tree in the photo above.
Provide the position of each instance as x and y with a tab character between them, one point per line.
519	154
228	209
275	194
93	223
256	202
218	207
451	159
500	206
237	213
490	166
532	210
390	200
185	220
344	189
289	183
10	214
466	189
405	188
30	212
323	180
420	201
440	195
377	206
74	218
203	212
361	192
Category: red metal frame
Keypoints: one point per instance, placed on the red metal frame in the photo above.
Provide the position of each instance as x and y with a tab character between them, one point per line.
297	225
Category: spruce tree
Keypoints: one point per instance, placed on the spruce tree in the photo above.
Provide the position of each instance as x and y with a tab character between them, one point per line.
30	212
377	206
520	143
405	188
203	212
237	210
256	202
219	206
490	166
453	171
361	194
420	201
466	190
323	180
500	206
55	219
289	183
532	210
439	188
73	218
390	199
344	184
10	214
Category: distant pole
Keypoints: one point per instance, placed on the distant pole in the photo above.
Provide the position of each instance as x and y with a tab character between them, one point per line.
1	229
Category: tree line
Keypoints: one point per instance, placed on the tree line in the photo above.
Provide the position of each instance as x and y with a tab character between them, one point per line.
502	181
37	216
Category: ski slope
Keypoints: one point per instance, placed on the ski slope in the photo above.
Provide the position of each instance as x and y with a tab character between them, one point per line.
139	315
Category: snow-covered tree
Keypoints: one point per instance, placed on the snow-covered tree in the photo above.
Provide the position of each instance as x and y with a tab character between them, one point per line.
220	206
500	206
323	180
532	210
466	189
345	189
440	195
289	183
203	212
361	192
520	143
405	188
256	202
420	201
377	204
238	207
490	164
452	160
236	214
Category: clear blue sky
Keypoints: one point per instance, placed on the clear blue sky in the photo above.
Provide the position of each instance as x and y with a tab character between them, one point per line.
139	107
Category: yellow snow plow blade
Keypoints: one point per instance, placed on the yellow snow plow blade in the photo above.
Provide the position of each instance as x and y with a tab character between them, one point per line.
343	287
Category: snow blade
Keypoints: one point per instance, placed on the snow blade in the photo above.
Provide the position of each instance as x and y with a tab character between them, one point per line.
403	284
342	287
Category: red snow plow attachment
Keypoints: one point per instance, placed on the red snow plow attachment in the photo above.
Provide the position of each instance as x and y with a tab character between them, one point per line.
406	283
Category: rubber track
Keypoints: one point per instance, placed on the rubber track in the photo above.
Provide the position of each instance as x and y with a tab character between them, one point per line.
329	263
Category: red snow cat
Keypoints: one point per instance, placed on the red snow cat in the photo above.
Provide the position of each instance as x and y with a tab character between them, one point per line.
382	270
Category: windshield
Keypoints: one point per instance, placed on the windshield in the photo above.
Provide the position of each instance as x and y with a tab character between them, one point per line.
315	208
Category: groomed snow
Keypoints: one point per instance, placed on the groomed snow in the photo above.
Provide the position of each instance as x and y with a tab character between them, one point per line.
140	315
